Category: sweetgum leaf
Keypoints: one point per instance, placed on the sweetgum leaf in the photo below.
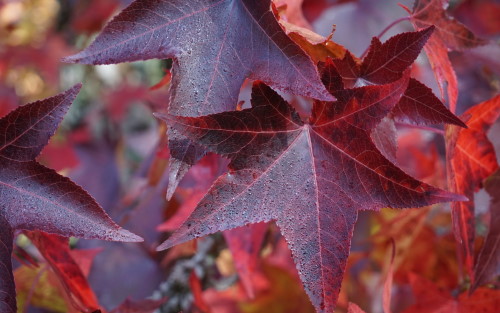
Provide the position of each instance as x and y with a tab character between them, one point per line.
450	34
419	105
33	197
471	159
386	62
312	178
216	45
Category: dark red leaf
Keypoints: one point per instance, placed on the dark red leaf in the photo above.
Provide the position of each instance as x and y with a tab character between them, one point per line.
386	62
471	159
216	45
312	178
348	68
489	256
35	197
420	106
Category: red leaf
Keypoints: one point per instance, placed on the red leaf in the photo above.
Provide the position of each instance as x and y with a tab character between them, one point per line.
37	198
312	178
431	299
489	256
443	70
386	62
471	158
387	292
196	288
55	251
91	15
450	34
244	244
216	45
420	106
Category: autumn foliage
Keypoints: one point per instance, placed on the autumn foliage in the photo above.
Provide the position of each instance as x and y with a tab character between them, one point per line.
244	156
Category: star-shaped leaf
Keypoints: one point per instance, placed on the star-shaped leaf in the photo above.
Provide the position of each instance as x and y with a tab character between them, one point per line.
387	62
311	178
450	34
33	197
216	45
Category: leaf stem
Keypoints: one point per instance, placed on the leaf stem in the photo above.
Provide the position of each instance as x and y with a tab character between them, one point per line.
382	33
431	129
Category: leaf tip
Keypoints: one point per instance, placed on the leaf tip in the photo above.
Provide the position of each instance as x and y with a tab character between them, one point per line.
165	245
75	89
71	59
126	236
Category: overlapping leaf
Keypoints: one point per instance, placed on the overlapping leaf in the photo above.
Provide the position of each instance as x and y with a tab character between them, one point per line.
33	197
450	34
471	159
216	45
312	178
387	62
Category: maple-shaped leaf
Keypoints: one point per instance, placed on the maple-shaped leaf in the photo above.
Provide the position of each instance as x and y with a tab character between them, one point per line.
387	62
488	260
33	197
450	34
216	45
311	178
471	159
